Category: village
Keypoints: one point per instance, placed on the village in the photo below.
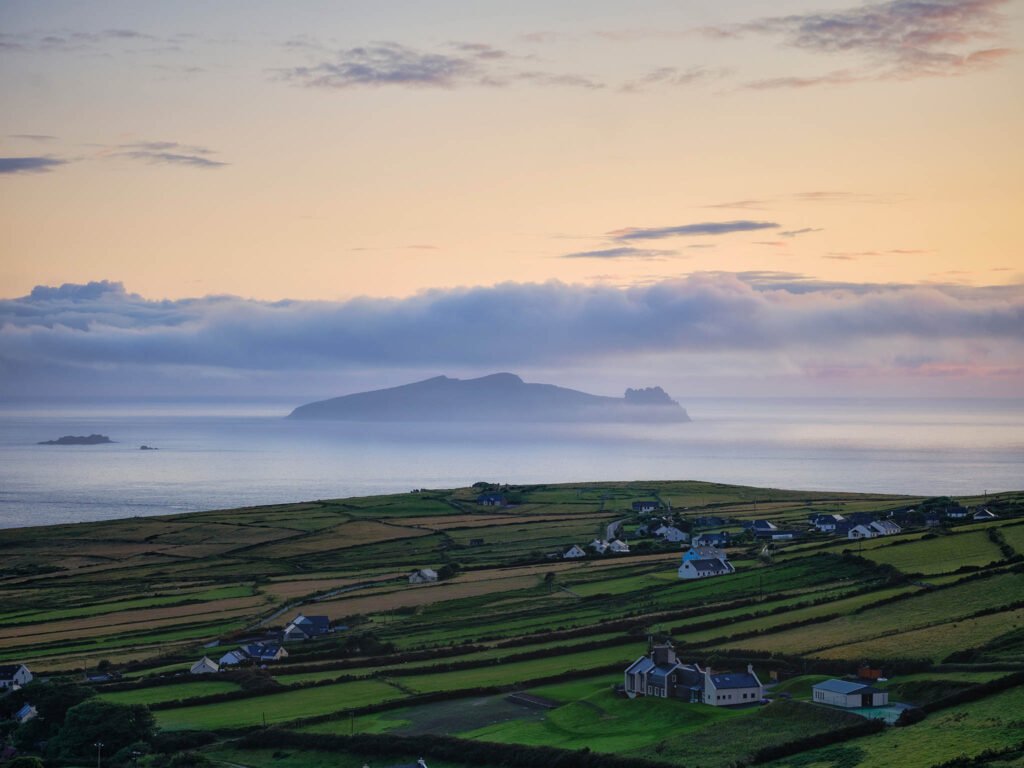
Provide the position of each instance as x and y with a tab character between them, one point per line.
732	609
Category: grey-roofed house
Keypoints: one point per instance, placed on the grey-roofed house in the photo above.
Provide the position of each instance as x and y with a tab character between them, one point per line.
14	676
849	694
304	627
265	651
660	674
423	576
704	562
712	539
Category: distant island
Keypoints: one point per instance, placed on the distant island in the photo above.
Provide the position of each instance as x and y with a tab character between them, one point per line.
78	440
148	448
500	398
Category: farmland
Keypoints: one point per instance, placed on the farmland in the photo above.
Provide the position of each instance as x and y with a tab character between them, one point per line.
147	597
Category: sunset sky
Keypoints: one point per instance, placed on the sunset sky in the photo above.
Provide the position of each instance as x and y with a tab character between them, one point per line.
793	198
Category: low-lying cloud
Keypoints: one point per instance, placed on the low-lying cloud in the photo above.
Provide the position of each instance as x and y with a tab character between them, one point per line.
757	315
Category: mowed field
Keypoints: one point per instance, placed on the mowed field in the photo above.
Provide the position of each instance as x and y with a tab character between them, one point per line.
150	596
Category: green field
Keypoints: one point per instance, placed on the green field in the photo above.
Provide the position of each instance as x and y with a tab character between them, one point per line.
145	595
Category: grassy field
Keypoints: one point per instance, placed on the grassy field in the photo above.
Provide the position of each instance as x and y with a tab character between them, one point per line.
152	591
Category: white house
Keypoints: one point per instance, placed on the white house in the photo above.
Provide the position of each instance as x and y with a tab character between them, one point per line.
844	693
618	546
861	532
573	552
703	562
671	533
660	674
422	576
826	523
599	545
204	666
14	676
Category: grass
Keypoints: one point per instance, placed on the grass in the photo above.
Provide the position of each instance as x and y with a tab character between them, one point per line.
174	692
273	758
605	722
279	708
939	555
993	722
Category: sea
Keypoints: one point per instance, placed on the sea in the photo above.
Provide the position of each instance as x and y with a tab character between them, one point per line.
217	456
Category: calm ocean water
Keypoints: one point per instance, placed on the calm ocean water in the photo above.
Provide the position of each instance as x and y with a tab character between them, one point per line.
215	457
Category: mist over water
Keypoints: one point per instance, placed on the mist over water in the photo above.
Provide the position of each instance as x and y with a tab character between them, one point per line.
214	457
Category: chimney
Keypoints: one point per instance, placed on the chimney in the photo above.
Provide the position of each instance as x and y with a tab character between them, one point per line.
750	669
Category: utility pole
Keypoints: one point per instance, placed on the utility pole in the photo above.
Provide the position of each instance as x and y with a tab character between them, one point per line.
99	753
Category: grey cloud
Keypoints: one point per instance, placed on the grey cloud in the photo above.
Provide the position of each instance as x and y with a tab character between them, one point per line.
619	253
12	165
798	232
897	40
511	324
169	153
673	76
457	64
41	137
689	230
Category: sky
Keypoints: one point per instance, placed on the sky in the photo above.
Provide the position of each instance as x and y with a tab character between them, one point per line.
806	198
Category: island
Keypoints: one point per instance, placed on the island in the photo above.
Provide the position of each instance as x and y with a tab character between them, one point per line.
497	398
148	448
78	440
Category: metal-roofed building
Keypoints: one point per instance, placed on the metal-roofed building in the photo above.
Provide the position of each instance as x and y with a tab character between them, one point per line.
661	674
849	694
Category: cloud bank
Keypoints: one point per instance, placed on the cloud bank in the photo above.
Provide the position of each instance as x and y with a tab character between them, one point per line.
756	318
11	165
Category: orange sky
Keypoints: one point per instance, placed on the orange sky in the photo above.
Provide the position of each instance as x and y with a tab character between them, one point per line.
896	170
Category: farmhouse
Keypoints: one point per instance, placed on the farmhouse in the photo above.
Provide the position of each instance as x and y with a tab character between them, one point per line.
645	506
492	500
233	658
599	545
204	666
984	514
306	628
861	532
712	539
671	533
618	546
660	674
14	676
422	576
844	693
826	523
264	651
702	562
573	552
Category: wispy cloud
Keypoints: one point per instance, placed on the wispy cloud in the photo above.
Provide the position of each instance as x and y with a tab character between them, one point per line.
168	153
453	65
624	252
43	138
897	40
690	230
675	77
798	232
39	164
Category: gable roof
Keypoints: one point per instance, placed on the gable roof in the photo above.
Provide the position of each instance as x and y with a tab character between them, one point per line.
8	671
844	687
641	665
735	680
713	565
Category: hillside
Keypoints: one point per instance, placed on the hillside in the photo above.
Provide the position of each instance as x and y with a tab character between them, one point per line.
425	669
499	398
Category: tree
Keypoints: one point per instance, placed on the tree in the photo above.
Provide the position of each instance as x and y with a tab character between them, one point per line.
116	725
25	762
52	701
